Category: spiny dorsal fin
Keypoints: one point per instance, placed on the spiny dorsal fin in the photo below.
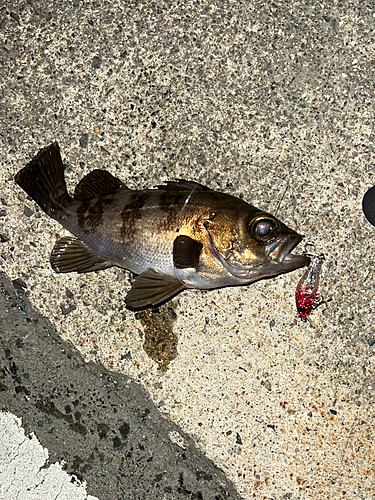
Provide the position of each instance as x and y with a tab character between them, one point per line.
152	288
182	185
72	255
186	252
96	184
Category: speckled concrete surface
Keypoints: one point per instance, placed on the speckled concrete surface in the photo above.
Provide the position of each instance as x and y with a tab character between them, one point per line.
101	425
27	455
270	101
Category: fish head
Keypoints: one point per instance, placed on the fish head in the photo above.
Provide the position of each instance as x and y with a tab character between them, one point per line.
252	244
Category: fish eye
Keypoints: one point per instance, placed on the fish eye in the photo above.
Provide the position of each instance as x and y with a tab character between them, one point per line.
263	228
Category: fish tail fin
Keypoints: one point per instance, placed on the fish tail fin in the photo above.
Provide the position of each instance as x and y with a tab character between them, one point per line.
43	178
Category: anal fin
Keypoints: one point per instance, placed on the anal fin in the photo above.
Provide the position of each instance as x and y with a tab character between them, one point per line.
152	288
72	255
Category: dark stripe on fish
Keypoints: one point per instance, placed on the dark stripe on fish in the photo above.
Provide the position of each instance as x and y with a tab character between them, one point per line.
131	213
169	200
80	212
90	214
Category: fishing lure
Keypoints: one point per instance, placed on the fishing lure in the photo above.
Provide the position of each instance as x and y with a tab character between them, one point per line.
307	288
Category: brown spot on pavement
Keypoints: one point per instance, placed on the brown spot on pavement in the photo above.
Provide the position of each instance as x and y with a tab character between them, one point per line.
160	342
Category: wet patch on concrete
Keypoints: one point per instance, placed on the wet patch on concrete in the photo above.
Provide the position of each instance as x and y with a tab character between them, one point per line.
160	341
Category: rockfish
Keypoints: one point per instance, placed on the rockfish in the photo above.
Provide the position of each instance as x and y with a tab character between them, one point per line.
176	236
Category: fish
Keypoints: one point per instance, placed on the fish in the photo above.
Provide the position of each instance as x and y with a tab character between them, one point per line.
176	236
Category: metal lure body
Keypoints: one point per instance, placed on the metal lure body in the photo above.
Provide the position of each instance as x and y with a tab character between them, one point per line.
307	288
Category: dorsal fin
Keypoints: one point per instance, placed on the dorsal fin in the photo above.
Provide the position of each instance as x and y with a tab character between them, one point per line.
97	183
180	184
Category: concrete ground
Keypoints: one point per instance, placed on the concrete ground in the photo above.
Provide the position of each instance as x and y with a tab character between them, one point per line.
219	394
103	425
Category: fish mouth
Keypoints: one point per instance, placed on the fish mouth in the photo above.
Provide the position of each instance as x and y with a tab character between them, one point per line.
280	253
279	260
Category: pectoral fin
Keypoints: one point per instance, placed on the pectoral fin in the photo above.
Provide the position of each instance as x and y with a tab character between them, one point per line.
72	255
151	288
186	252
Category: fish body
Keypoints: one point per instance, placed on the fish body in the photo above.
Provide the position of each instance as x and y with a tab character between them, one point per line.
177	236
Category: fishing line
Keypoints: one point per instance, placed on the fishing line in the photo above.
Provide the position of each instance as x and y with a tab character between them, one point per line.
192	192
187	200
282	198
